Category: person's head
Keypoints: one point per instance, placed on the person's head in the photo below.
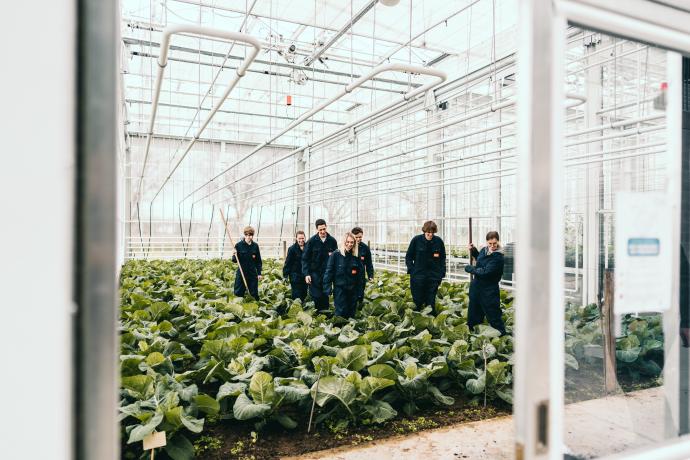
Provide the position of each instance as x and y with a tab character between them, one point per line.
248	233
358	233
429	228
321	227
348	244
300	237
492	241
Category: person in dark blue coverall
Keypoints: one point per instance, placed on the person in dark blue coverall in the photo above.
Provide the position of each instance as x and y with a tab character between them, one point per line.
314	259
426	265
292	270
365	258
344	276
485	299
250	259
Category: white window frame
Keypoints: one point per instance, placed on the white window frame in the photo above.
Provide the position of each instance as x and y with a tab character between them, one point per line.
539	355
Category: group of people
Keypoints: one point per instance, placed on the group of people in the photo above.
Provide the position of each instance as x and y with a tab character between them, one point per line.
320	267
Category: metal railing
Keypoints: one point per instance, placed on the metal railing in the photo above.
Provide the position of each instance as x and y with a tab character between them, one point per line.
202	247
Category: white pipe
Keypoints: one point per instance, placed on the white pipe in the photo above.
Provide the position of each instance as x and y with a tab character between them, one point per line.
614	136
569	162
395	50
390	157
578	100
353	20
499	173
624	106
416	172
163	62
597	18
299	23
604	61
439	74
598	51
384	145
459	180
617	124
442	182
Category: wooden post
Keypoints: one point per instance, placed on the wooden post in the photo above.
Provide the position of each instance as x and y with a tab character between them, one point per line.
284	249
607	325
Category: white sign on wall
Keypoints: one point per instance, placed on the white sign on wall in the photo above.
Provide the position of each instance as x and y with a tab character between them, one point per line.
643	281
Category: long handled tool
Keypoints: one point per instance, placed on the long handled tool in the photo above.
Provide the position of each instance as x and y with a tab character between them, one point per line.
227	229
471	257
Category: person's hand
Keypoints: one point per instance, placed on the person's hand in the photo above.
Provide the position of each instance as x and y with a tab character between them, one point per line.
470	246
469	268
685	336
307	279
259	277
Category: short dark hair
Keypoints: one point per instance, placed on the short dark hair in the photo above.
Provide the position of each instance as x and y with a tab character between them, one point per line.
299	232
357	231
429	226
319	222
492	235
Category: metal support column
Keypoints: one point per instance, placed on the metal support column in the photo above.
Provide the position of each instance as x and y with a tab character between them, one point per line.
304	164
96	433
539	304
435	155
684	366
593	221
675	382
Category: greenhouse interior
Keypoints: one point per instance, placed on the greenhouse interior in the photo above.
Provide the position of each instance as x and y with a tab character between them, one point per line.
321	229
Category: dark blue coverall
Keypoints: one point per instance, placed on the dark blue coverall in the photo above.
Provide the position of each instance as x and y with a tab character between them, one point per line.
292	270
365	260
250	260
485	296
426	265
314	261
344	273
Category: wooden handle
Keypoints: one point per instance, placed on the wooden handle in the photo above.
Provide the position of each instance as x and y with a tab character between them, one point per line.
227	229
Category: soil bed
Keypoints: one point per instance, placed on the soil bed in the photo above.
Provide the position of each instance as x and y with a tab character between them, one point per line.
234	440
589	383
241	441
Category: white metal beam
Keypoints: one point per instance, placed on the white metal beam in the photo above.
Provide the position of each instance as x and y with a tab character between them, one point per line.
538	384
163	62
439	77
347	26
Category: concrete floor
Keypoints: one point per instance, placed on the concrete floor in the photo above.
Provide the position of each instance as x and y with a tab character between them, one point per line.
592	429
